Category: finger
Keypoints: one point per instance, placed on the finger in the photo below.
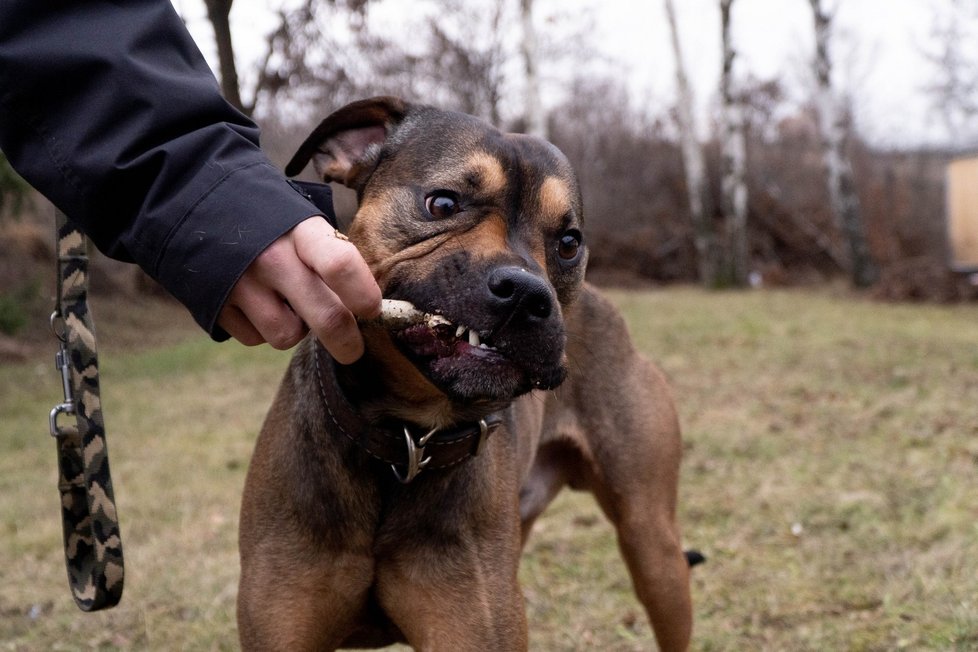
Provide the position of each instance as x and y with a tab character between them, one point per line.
340	266
267	313
280	268
234	322
325	315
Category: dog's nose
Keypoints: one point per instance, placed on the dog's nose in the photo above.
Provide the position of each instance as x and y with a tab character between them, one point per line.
517	290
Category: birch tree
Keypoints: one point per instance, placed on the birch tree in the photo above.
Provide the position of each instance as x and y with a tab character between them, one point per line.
733	162
841	185
536	119
693	163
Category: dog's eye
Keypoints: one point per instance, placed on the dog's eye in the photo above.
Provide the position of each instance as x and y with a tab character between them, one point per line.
569	245
442	204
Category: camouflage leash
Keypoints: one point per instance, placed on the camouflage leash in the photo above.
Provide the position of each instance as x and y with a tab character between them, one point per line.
93	549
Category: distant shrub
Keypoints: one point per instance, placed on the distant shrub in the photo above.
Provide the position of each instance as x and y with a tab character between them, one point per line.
15	307
13	189
12	315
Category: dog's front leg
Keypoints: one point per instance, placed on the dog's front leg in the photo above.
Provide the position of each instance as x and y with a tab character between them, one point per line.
454	600
449	558
295	603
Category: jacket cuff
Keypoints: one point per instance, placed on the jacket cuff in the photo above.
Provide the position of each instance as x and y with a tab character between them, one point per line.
209	250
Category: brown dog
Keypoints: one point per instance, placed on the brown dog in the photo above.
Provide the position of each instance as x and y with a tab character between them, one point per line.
388	500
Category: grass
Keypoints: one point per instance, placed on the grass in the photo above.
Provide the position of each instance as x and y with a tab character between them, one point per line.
830	476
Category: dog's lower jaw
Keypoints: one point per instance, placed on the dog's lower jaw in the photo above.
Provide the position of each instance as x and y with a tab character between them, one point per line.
384	385
467	386
439	391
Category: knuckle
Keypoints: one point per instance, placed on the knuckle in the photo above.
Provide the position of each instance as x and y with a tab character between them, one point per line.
331	322
273	257
347	273
367	303
285	334
343	261
249	339
282	342
337	330
276	341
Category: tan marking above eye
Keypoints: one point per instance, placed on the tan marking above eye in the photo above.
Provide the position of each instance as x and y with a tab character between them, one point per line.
492	177
481	167
554	198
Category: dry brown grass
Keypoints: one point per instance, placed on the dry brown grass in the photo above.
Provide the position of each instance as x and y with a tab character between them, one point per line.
831	477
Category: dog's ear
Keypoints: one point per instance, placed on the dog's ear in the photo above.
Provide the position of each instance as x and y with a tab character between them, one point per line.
344	147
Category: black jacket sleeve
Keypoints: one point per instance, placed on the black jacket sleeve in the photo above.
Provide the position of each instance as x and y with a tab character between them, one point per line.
109	110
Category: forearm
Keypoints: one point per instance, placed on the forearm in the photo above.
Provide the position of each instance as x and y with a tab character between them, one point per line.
109	110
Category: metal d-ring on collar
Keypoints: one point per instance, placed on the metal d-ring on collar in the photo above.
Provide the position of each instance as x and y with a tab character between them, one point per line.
416	461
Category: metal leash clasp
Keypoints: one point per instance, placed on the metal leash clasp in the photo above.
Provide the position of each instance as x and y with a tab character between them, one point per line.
61	361
416	460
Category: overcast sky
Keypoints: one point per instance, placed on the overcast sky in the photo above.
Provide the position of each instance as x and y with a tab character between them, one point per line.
878	52
879	49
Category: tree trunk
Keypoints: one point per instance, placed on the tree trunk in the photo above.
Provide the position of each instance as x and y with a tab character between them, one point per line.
218	12
733	162
695	167
536	119
841	185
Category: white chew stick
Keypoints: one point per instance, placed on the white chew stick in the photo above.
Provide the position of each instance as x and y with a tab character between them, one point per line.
396	314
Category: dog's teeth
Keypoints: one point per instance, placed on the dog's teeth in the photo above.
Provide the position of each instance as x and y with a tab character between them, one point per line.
460	331
474	338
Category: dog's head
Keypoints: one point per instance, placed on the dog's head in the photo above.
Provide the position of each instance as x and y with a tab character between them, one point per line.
462	220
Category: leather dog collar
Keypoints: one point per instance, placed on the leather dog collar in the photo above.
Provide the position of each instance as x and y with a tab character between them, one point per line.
395	442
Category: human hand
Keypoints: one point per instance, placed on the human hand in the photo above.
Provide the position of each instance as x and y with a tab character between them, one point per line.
307	279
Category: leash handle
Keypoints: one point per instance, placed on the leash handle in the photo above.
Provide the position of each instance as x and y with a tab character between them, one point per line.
93	548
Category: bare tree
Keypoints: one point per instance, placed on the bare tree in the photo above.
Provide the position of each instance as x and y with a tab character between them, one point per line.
219	12
841	184
323	54
454	53
468	68
733	160
288	59
696	179
536	119
954	89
